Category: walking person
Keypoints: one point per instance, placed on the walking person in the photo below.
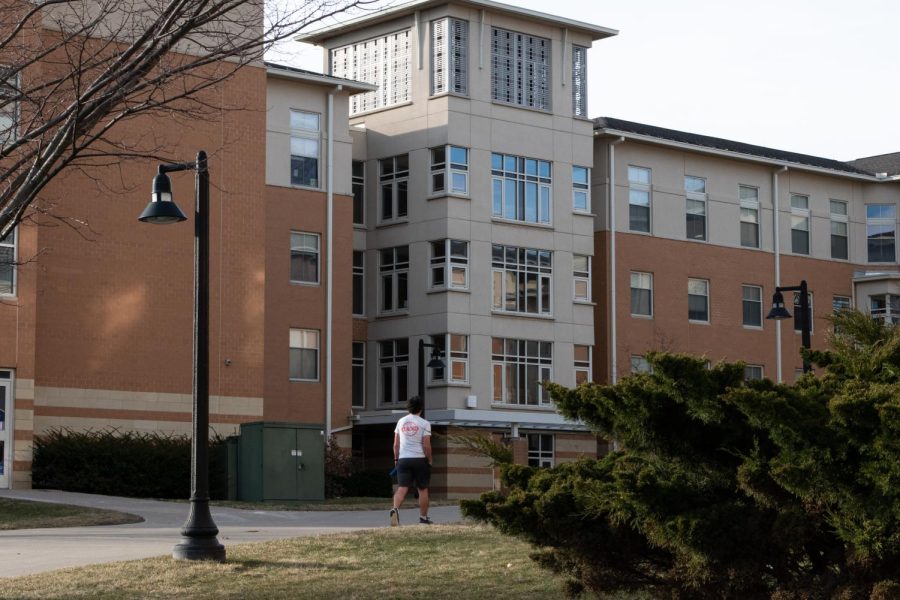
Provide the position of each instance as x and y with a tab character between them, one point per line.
412	457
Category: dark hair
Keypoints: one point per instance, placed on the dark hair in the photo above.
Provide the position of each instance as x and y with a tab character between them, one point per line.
415	405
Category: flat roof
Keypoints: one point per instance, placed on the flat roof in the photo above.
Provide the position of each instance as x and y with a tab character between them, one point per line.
286	72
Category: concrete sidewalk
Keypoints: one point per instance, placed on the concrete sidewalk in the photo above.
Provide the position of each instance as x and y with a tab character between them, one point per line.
24	551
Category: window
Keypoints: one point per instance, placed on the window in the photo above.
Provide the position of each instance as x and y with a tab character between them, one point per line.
359	283
641	294
455	171
749	216
640	364
798	314
839	225
304	354
695	192
881	232
359	192
384	61
393	367
540	450
520	188
450	256
582	364
581	273
520	69
304	148
394	271
521	279
8	264
639	199
359	375
752	305
753	372
579	81
698	300
457	358
581	191
394	182
839	304
519	367
799	224
304	257
9	106
450	56
885	306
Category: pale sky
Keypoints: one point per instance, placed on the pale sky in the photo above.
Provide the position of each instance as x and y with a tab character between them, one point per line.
820	77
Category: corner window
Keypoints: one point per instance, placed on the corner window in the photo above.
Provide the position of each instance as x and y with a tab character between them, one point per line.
695	193
394	184
540	450
520	188
519	367
359	192
304	355
799	224
384	61
457	358
579	81
839	229
359	283
522	280
8	264
581	274
582	364
639	199
449	56
358	366
886	307
393	269
9	106
393	371
449	264
450	170
641	294
581	191
304	148
749	216
304	257
881	232
751	305
520	69
698	300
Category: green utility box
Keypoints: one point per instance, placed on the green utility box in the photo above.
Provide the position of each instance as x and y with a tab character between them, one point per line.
281	461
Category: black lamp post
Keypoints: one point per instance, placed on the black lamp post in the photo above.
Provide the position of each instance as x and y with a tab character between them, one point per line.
198	541
434	363
779	312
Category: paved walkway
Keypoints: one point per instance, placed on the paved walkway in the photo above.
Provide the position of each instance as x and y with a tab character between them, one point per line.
24	551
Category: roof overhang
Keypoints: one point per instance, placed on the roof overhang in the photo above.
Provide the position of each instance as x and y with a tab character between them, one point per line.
349	85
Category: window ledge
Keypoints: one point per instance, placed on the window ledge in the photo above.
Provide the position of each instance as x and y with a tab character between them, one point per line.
753	327
440	195
454	384
534	407
292	380
360	226
506	313
392	315
311	188
496	219
445	290
385	224
584	302
647	233
305	283
693	322
584	213
644	317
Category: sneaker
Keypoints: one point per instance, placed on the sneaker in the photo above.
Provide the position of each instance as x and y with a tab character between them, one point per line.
395	517
425	521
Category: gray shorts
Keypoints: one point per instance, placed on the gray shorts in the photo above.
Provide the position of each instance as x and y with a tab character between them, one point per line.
414	472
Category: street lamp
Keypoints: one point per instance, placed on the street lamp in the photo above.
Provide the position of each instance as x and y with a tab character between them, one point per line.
198	541
434	363
779	312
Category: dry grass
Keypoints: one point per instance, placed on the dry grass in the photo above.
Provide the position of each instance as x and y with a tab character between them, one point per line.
22	514
439	562
355	503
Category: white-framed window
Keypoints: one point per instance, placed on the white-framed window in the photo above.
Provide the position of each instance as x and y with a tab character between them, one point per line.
393	269
641	294
522	280
579	81
838	305
886	307
581	189
304	257
639	188
749	216
393	371
449	264
305	147
394	183
450	170
840	246
881	232
799	224
520	69
695	199
457	358
640	364
450	56
359	283
520	188
304	355
9	106
698	300
8	257
753	372
752	305
798	373
582	363
358	366
581	277
519	368
540	450
799	313
384	61
359	192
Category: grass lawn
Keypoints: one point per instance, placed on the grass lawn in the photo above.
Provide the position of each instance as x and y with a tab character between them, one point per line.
355	503
22	514
438	562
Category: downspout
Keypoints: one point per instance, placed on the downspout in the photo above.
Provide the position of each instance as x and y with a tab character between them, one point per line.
329	227
777	267
611	196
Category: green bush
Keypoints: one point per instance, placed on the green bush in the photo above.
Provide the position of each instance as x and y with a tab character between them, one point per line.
117	463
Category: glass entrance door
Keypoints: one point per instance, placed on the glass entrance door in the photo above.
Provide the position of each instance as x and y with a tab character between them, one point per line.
5	435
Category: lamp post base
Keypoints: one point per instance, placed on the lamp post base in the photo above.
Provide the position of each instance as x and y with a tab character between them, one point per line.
198	536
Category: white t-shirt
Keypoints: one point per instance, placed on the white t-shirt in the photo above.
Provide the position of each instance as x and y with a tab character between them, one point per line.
412	429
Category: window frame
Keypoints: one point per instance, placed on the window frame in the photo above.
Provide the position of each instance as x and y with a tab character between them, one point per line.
582	366
581	189
635	185
699	199
448	169
396	180
9	88
744	300
449	263
11	268
503	179
510	56
300	250
544	459
519	360
357	362
359	275
521	269
454	356
890	313
705	296
641	275
314	135
396	362
881	221
640	364
302	333
749	204
358	188
838	218
762	372
798	215
396	270
581	276
449	57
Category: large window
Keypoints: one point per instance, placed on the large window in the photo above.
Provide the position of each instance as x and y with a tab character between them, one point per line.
799	224
641	294
885	306
450	56
359	375
639	199
839	226
449	264
394	270
9	106
579	81
384	61
540	450
359	192
749	216
520	188
8	264
519	367
393	370
581	190
752	305
881	232
522	279
304	354
457	358
359	283
582	364
520	69
450	170
798	314
394	183
304	257
581	275
304	148
698	300
695	217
